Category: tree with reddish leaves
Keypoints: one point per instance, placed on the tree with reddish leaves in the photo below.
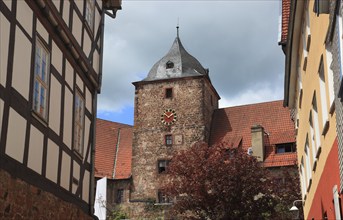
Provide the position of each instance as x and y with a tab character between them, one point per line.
219	183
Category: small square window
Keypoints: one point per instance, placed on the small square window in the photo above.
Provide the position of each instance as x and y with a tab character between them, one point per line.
162	197
162	165
169	93
169	140
169	65
120	196
285	148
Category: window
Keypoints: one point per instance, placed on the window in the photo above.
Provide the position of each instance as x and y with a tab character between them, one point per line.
330	77
162	165
315	122
308	165
322	88
120	196
302	179
169	93
285	148
162	198
89	15
321	7
336	202
79	106
41	80
169	65
169	140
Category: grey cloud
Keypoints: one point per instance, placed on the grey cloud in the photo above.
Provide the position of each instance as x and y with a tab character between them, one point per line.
236	40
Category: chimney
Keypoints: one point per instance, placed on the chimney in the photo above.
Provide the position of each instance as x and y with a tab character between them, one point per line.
257	133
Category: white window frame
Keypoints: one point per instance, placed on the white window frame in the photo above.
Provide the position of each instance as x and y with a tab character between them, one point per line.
340	35
41	80
303	179
315	119
312	137
336	203
330	78
79	118
323	92
308	165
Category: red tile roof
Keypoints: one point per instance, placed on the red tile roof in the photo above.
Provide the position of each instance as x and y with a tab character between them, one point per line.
234	123
286	7
113	151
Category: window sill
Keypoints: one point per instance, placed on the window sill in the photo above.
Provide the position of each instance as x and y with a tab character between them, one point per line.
78	155
39	118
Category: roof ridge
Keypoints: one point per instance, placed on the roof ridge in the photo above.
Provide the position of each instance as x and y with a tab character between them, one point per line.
250	104
113	122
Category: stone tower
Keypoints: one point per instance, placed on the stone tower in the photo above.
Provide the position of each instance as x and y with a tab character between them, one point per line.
173	110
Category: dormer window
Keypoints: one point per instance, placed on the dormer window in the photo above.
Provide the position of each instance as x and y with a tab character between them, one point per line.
285	148
169	65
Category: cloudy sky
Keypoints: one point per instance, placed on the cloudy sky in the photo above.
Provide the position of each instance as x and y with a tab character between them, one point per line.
236	40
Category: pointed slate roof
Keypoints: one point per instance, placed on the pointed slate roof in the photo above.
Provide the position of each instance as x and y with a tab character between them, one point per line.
176	63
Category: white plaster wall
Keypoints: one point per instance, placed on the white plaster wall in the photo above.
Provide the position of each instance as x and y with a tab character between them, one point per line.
79	5
76	175
96	61
24	16
56	57
42	31
21	64
68	119
85	188
16	128
69	74
66	8
55	105
89	100
65	171
77	27
57	4
8	3
87	43
35	156
4	42
97	19
52	161
79	82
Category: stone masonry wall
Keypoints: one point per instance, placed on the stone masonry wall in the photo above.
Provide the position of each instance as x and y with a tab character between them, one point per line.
20	200
192	104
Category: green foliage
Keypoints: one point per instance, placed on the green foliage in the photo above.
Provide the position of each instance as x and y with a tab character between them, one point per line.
117	214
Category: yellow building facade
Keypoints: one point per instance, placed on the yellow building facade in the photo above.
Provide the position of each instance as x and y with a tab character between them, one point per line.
309	91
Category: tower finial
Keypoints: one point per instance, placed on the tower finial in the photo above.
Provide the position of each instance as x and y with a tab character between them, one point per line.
177	28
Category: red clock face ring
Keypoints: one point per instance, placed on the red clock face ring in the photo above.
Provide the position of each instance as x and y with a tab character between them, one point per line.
168	117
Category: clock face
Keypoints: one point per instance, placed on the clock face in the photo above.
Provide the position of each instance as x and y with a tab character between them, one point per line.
168	117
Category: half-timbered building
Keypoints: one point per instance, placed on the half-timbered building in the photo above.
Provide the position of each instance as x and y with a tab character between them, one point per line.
50	75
